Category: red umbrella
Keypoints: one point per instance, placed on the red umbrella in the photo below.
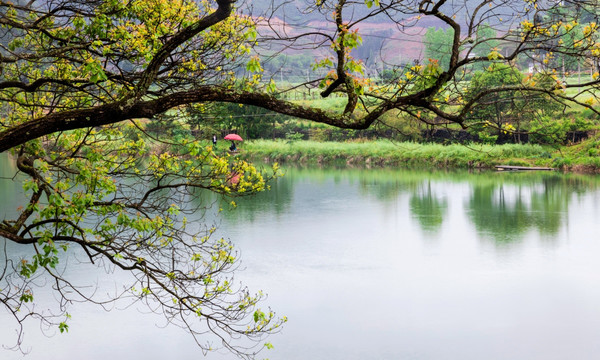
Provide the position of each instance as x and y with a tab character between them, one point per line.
235	137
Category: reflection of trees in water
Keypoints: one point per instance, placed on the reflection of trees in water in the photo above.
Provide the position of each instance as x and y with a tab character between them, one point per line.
384	190
502	207
428	207
505	212
10	189
273	202
493	216
7	165
387	185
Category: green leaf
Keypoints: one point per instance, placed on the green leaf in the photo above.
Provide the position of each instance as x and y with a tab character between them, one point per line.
272	87
258	316
494	55
251	34
63	327
26	297
254	65
96	73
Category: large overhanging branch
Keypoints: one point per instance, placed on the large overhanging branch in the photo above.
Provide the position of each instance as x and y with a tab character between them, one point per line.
117	112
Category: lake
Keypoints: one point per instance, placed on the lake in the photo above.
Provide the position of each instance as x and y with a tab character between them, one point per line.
390	264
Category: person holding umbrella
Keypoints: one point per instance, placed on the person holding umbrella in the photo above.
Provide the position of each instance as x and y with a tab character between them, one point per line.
232	138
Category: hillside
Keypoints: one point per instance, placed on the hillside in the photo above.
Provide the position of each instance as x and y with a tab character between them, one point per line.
385	43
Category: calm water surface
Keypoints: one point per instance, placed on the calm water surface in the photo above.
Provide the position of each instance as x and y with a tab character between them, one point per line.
392	264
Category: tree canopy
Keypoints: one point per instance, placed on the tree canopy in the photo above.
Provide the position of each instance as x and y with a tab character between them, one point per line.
80	81
438	45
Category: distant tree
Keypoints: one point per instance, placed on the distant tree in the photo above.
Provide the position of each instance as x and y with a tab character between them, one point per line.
510	109
486	42
438	45
388	75
497	108
544	103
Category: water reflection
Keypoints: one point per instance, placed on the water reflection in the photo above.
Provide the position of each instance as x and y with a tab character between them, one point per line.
328	244
507	208
428	207
10	187
502	207
351	239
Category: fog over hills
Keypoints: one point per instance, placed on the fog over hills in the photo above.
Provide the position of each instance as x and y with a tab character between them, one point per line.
391	38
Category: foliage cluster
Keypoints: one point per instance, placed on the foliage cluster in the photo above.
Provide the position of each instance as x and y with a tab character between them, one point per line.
101	198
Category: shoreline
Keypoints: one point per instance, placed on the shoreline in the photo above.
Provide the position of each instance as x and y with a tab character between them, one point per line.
383	153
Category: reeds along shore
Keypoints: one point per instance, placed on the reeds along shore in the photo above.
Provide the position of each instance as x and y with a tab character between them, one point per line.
388	153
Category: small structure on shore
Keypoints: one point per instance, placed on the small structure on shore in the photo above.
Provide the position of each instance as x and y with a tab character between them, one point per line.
522	168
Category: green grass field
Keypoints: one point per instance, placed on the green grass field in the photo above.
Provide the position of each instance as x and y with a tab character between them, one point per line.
388	153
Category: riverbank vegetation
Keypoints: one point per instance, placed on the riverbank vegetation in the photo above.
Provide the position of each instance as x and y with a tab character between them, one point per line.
581	157
389	153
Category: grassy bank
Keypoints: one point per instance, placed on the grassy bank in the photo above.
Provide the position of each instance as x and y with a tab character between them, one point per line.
387	153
